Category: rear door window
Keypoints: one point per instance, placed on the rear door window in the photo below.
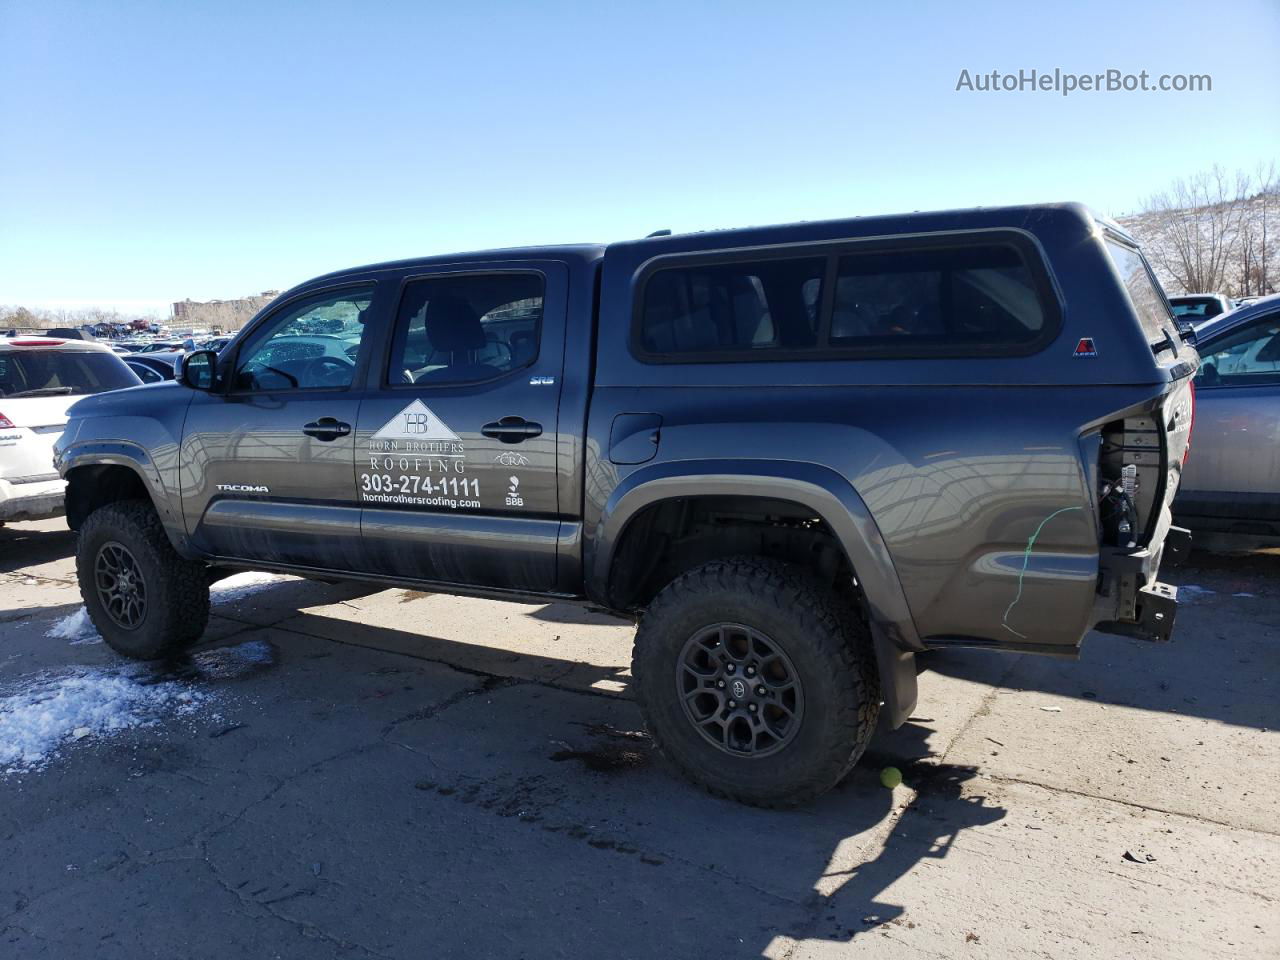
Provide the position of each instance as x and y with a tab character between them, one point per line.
466	328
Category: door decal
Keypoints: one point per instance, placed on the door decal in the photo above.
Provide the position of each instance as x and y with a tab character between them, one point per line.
415	422
414	460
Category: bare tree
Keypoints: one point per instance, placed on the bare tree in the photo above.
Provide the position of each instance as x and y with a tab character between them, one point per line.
1256	244
1198	221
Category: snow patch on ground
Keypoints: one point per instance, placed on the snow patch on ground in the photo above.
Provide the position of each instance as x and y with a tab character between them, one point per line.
1190	593
75	627
38	720
238	586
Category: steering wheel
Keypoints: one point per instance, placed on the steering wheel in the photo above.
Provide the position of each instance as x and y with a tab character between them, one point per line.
327	372
248	376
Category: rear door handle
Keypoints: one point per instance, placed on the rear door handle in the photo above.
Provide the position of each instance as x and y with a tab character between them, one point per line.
512	429
327	428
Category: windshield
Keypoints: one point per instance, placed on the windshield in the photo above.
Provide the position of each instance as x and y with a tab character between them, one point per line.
1196	308
61	372
1148	301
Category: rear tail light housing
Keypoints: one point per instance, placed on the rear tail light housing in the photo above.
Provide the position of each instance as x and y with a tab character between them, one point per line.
6	423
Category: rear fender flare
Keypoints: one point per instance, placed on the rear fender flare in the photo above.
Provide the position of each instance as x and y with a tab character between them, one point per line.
820	489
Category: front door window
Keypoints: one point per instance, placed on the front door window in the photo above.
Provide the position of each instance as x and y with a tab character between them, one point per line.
311	346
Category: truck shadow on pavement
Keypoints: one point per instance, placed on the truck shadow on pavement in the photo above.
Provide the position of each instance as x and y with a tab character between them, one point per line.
854	898
23	546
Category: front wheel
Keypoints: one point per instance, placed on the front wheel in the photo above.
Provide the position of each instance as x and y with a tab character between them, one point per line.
146	601
756	681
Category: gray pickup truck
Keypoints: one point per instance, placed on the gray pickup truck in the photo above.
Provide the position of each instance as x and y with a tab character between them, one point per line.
796	455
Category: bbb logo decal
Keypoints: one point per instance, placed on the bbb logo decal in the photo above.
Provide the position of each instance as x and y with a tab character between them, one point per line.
513	493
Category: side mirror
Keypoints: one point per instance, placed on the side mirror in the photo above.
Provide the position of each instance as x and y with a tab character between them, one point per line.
196	370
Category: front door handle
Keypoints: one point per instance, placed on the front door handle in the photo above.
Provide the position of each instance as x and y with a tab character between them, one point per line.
512	429
327	428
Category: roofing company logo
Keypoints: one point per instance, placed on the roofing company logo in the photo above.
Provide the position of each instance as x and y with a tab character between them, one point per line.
1085	348
415	422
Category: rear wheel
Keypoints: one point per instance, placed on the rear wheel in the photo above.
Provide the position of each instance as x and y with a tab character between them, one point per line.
146	601
756	681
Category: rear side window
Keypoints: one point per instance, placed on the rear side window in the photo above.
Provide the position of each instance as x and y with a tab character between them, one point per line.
1148	301
936	297
733	307
52	373
966	297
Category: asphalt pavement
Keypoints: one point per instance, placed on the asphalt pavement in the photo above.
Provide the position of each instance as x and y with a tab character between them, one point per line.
339	771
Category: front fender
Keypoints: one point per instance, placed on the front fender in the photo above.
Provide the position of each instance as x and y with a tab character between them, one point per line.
73	453
830	496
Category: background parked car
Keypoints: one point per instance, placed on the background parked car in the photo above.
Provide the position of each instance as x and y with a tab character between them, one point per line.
1200	306
1231	481
40	377
154	367
70	333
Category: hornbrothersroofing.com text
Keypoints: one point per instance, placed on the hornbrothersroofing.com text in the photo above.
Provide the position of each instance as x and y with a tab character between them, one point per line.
1059	81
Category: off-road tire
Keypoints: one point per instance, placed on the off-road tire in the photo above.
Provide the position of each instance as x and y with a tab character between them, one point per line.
823	636
177	590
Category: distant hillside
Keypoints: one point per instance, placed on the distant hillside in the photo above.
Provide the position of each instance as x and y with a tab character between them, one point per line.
1229	246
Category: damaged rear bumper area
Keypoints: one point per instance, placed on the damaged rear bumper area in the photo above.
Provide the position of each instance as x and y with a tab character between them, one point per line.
1131	601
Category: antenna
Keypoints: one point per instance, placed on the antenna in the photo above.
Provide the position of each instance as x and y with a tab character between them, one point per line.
659	233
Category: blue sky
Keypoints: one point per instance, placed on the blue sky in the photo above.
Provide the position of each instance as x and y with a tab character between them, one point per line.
154	151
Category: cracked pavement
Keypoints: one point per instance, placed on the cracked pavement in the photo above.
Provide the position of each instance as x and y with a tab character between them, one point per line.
413	775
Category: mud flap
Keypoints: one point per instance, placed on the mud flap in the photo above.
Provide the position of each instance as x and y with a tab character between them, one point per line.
898	689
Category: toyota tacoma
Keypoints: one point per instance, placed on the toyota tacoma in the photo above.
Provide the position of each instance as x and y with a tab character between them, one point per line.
798	456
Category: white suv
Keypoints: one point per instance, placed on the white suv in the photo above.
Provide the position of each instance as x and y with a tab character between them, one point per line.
40	377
